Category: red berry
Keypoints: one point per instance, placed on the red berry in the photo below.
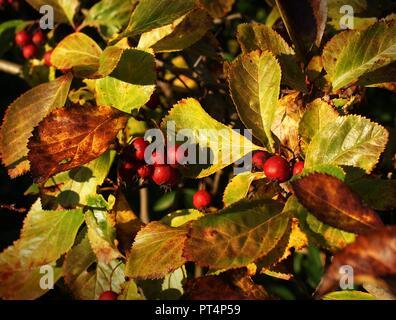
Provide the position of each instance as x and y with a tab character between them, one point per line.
277	168
38	38
298	167
259	159
145	171
202	199
47	58
2	2
22	38
127	171
154	101
108	295
29	51
175	155
165	175
158	158
140	146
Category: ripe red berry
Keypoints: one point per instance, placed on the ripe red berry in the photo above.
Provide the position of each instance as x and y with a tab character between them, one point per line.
22	38
259	159
47	58
165	175
108	295
298	167
144	171
38	38
158	158
202	199
277	168
175	155
140	146
29	51
127	170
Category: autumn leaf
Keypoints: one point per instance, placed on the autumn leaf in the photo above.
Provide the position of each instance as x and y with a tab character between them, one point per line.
371	256
334	203
147	259
70	137
237	235
17	128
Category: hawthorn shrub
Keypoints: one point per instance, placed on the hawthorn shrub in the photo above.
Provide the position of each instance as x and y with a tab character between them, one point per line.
114	219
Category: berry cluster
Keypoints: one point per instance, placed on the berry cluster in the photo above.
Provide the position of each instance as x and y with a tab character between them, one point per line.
276	167
163	170
30	44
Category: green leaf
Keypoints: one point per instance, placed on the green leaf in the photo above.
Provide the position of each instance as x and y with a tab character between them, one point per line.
77	185
131	83
374	48
165	202
181	217
349	141
157	250
64	10
87	278
101	231
17	128
238	188
348	295
237	235
253	36
225	145
179	35
334	203
152	14
334	47
318	114
78	52
305	22
322	235
110	16
45	237
7	33
254	81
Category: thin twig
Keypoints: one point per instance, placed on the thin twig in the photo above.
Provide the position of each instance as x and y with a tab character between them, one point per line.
144	212
12	207
10	67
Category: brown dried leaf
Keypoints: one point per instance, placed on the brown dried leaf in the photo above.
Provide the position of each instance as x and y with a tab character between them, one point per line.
334	203
70	137
371	256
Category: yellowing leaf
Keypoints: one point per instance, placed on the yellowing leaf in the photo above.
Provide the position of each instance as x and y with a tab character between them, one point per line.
71	137
45	236
131	84
238	188
86	278
224	144
17	127
348	295
318	114
237	235
374	48
179	35
101	230
157	250
349	141
217	8
254	81
78	52
255	36
64	10
151	14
